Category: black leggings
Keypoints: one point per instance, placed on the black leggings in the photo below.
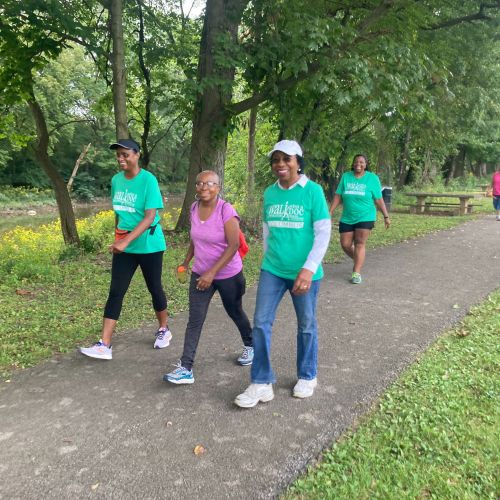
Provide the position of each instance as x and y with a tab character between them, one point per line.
123	268
231	291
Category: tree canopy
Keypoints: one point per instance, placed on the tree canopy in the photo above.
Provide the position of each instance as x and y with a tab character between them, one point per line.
414	85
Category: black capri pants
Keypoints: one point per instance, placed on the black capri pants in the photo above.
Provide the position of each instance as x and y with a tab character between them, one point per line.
123	268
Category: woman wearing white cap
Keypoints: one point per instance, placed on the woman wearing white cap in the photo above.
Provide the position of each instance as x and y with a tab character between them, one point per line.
139	242
296	230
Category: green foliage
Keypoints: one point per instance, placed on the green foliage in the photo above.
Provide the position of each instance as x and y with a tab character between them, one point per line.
11	197
433	434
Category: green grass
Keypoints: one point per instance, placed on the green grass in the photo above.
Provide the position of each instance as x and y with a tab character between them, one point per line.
434	434
62	307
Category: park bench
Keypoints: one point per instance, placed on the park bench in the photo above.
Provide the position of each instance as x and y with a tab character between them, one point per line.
424	203
430	205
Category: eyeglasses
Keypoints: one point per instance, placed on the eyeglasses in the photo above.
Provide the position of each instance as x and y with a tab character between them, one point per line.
209	184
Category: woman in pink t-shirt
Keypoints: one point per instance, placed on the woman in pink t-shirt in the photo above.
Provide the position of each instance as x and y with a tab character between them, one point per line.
495	191
218	267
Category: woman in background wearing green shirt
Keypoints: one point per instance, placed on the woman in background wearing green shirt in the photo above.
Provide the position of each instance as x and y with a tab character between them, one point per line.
139	242
360	193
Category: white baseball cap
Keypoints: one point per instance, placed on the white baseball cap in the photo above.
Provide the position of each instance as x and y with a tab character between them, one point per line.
288	147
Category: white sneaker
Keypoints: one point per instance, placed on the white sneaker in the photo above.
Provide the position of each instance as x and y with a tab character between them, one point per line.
98	351
254	393
163	338
304	388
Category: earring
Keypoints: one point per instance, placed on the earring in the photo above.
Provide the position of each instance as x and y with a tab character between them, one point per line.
196	197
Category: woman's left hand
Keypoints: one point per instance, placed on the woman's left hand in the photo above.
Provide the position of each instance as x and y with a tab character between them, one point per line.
302	282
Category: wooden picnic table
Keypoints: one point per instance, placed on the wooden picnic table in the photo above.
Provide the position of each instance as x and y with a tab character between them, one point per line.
424	201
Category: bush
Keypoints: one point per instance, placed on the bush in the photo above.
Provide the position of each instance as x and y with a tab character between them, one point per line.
26	253
13	197
96	232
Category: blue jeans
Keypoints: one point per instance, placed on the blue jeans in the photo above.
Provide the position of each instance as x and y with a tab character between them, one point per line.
269	294
496	202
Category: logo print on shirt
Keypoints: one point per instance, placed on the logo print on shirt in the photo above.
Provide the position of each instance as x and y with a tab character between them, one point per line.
124	201
355	188
292	216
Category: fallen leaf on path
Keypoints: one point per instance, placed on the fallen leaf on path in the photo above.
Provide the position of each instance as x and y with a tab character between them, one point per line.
95	486
168	423
20	291
456	306
199	450
463	333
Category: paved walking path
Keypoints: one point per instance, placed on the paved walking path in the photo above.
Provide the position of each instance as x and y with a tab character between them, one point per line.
79	428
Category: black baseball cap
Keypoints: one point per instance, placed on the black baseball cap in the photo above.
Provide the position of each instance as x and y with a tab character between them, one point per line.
127	144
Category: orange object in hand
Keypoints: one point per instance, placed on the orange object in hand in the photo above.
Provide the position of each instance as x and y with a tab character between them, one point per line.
182	274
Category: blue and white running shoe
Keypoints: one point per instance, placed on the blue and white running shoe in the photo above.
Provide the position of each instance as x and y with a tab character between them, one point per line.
180	375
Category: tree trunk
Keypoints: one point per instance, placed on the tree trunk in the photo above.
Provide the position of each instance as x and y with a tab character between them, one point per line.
483	169
210	117
426	173
384	156
403	159
66	214
451	170
145	153
460	163
119	73
252	125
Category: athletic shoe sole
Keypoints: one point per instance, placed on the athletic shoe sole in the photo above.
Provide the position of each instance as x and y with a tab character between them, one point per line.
264	399
302	395
179	381
244	363
97	356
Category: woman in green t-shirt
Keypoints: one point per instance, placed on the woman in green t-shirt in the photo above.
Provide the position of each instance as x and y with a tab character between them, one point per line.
360	193
296	233
139	242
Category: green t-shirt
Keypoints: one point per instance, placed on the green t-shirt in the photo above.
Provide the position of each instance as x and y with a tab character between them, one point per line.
358	197
130	199
290	215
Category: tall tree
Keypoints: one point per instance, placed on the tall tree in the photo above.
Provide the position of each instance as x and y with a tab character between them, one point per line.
31	34
216	74
119	71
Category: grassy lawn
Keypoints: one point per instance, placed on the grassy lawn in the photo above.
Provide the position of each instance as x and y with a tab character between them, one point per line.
434	434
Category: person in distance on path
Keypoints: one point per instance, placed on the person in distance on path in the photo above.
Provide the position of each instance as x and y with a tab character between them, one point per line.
139	242
360	193
495	190
296	231
217	267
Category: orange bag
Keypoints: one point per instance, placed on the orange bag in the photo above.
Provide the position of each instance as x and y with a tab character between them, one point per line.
120	234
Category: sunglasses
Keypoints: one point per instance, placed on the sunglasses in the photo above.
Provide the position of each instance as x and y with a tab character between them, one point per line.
208	184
